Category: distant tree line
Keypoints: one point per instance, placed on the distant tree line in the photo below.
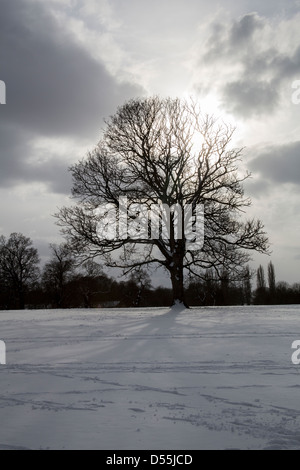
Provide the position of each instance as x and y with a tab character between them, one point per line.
271	292
63	283
213	290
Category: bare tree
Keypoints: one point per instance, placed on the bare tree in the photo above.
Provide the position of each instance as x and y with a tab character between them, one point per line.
91	282
261	291
57	273
271	277
163	154
271	282
260	278
247	289
142	282
18	265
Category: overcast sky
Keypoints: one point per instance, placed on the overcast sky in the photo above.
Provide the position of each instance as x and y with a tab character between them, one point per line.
68	64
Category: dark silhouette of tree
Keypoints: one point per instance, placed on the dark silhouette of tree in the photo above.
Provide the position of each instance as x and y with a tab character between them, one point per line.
92	284
260	278
210	288
163	153
247	289
214	291
19	269
160	297
57	274
225	288
284	293
272	283
261	292
296	293
141	281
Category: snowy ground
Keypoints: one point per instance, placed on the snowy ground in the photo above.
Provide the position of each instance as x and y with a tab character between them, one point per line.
205	378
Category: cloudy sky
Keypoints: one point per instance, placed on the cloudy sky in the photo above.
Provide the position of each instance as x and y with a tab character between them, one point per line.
68	64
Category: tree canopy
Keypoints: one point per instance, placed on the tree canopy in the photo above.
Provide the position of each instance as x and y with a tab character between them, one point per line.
18	266
162	162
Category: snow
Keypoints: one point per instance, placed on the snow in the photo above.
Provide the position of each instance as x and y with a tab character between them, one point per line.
204	378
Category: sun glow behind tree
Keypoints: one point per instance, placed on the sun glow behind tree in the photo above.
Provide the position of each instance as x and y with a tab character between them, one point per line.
164	151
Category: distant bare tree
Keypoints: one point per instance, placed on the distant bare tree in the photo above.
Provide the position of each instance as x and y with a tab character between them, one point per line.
247	289
142	282
261	291
92	282
57	273
18	265
163	152
260	278
272	282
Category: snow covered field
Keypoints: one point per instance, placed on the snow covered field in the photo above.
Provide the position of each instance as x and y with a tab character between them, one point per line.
205	378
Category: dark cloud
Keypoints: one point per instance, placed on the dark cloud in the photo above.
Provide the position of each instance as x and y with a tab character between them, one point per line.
255	95
17	167
54	88
14	148
279	164
53	85
54	173
286	66
243	30
228	41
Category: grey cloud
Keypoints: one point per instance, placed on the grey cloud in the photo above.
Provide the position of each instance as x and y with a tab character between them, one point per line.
279	164
259	70
14	148
53	85
54	88
286	66
264	8
54	173
17	168
229	41
247	98
254	94
244	29
270	62
257	187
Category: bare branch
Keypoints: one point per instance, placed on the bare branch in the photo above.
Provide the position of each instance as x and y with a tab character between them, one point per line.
164	151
